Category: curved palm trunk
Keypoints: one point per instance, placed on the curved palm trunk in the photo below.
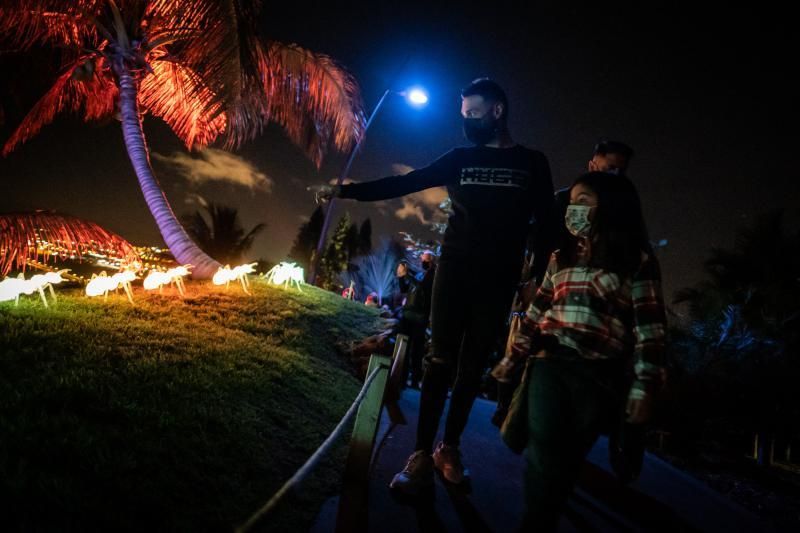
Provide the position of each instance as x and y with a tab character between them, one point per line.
179	243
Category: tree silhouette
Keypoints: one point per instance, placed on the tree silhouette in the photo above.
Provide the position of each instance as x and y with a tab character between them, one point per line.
365	237
337	254
743	333
306	241
222	235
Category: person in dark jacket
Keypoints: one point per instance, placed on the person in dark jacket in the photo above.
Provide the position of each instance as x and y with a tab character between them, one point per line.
497	187
416	317
407	284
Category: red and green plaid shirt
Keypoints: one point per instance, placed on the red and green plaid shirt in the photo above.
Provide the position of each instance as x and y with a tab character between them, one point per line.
601	316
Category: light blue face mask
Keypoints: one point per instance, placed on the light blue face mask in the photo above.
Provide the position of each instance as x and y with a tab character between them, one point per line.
577	219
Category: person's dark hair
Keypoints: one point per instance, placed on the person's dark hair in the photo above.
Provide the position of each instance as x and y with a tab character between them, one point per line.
613	147
618	234
489	90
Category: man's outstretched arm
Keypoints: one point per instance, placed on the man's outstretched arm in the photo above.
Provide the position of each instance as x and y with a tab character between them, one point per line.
438	173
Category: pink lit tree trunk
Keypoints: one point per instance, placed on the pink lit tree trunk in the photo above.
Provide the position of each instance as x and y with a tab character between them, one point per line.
179	243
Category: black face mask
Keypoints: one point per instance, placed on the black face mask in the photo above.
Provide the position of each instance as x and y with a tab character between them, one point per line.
480	131
426	265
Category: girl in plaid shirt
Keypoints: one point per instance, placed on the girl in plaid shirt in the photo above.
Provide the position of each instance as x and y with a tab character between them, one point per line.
598	313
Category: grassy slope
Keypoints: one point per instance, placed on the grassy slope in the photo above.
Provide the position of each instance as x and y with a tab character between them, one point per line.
173	414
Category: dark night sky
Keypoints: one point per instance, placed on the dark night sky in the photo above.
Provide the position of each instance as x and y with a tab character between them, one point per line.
707	100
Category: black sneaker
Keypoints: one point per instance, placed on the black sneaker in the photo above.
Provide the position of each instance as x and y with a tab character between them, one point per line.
499	415
416	476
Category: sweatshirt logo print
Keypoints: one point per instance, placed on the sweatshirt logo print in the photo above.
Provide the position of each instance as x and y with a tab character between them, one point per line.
495	177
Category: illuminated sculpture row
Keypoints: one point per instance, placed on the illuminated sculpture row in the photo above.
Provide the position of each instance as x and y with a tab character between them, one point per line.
101	285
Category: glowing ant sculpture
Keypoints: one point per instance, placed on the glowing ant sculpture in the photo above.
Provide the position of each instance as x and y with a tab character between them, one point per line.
12	288
286	274
157	279
226	274
102	284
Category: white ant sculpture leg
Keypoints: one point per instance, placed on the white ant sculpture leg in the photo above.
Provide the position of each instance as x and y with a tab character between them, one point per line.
128	291
243	281
44	299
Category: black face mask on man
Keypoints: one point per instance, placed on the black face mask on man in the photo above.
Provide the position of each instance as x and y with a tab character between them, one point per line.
481	130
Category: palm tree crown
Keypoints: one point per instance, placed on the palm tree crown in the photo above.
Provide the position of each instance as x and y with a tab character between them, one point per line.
196	64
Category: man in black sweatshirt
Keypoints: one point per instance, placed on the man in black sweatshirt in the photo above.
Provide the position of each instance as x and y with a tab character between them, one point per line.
497	188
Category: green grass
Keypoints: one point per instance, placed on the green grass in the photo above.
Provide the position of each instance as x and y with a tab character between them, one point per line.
173	414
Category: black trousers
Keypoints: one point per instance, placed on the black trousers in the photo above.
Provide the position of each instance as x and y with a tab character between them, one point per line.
416	348
570	402
469	308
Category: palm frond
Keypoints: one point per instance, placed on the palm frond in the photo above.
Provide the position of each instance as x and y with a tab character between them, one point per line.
222	235
40	235
246	242
28	23
178	95
202	37
95	97
316	101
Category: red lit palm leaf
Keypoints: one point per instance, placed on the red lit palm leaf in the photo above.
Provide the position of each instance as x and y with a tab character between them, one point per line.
201	39
314	99
177	95
22	236
94	98
27	23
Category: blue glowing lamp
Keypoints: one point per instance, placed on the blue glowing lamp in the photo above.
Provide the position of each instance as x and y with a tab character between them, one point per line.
416	96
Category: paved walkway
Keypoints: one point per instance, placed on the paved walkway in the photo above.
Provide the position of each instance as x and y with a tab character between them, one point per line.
663	499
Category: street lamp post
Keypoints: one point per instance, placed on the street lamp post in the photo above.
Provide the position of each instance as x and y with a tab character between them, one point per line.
416	97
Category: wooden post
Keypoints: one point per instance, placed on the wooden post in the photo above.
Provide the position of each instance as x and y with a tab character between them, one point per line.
771	450
661	434
755	447
396	381
399	360
395	385
352	515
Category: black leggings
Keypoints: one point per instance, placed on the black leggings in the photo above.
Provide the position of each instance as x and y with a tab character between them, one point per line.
469	308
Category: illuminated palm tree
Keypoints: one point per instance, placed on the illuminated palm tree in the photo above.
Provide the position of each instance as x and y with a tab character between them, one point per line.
196	64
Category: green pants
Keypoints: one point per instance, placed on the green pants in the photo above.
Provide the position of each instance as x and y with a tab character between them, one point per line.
570	401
